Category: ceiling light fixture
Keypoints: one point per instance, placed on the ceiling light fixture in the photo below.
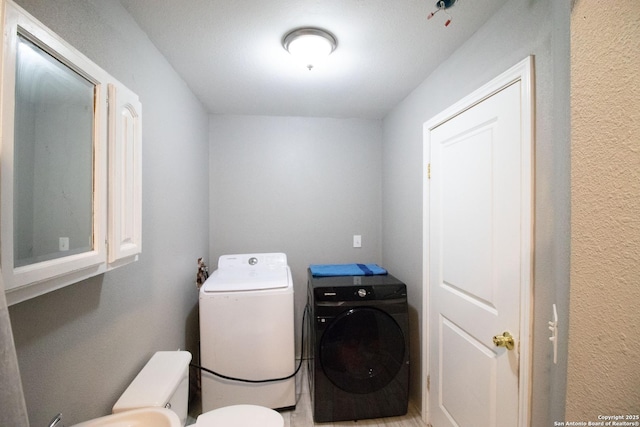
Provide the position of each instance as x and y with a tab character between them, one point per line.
310	46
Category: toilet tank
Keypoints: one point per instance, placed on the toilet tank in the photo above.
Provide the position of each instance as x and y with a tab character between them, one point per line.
163	382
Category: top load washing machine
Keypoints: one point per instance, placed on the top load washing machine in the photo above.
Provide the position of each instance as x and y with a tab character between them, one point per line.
247	332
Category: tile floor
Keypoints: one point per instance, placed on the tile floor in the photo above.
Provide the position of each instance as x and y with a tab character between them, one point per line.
302	415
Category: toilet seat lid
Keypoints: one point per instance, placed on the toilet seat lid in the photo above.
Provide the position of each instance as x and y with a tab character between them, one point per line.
241	416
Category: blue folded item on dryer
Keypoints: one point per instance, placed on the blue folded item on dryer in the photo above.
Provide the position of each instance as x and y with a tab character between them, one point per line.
331	270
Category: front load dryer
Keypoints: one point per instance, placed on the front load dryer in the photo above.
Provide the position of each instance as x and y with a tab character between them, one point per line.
247	332
359	342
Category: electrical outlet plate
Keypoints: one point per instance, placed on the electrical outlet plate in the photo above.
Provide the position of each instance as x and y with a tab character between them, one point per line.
63	244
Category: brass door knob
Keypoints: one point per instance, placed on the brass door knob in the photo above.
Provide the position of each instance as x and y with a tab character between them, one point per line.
504	340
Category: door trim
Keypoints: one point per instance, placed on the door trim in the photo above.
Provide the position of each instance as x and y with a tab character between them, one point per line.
523	72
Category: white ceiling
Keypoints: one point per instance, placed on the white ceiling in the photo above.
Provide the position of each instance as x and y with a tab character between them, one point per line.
230	53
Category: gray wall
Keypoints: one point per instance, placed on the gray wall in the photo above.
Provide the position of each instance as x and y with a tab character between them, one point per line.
519	29
302	186
79	347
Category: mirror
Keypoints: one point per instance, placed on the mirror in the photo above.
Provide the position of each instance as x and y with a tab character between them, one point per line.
53	157
70	167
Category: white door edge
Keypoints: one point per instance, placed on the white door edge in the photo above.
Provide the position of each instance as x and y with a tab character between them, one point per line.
523	72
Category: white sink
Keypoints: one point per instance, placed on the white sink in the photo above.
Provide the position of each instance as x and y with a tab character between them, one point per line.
146	417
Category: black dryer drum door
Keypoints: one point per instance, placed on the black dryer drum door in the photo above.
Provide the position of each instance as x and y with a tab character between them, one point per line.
362	350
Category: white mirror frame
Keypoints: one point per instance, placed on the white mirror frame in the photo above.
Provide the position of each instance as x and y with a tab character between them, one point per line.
29	281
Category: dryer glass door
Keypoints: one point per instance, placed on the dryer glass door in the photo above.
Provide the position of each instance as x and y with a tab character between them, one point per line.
362	350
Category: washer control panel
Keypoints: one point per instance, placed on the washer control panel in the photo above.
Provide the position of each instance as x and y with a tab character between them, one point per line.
268	260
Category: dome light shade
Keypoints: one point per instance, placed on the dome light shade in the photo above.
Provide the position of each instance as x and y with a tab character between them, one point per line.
310	46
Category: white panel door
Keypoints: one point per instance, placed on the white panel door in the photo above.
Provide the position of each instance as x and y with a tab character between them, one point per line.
476	255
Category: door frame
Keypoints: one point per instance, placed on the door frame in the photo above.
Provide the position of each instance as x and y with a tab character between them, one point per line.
523	72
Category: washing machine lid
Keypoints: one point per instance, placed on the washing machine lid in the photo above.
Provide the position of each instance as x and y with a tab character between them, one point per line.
249	279
249	272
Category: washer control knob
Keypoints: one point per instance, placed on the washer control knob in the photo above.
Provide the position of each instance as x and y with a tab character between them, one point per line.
362	293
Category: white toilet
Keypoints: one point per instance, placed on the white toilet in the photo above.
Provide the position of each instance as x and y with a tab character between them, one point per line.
164	382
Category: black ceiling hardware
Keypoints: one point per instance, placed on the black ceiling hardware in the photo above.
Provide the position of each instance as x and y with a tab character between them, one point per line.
442	5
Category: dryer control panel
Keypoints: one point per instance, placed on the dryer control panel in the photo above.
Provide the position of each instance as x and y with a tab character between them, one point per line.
356	288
